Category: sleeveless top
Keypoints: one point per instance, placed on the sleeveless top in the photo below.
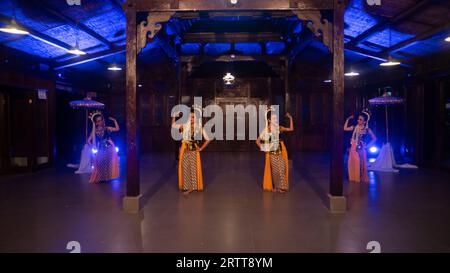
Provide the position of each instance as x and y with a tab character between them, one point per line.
360	135
271	141
102	139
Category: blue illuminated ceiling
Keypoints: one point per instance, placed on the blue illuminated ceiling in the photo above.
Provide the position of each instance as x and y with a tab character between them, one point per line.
99	28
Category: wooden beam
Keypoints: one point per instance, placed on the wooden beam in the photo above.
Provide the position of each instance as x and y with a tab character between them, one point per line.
207	5
89	58
337	147
376	56
75	24
390	22
210	37
418	38
199	59
39	36
133	162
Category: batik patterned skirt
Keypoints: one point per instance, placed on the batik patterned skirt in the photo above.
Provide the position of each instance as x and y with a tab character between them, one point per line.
106	165
190	177
357	163
276	172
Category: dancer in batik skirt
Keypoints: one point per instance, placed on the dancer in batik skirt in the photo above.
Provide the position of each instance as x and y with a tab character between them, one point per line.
106	160
276	172
190	176
357	160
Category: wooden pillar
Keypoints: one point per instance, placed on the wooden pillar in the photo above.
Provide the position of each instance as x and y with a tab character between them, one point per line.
337	201
287	95
287	104
131	200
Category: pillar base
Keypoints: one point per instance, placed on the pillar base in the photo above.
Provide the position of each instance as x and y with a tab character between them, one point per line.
337	204
132	204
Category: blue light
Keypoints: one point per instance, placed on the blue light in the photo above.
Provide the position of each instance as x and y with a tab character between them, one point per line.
117	149
373	150
94	151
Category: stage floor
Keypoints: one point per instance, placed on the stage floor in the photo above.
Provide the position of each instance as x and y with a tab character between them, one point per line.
405	212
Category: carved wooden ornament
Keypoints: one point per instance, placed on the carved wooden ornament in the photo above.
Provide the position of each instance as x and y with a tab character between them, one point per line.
151	27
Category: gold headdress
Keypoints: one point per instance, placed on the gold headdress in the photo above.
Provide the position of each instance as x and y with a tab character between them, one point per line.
95	114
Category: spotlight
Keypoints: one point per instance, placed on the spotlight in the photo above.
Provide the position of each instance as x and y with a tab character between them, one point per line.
234	2
327	81
373	150
117	149
372	160
447	39
94	151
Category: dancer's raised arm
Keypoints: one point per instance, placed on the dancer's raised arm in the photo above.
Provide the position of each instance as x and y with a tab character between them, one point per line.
116	127
346	127
174	122
291	123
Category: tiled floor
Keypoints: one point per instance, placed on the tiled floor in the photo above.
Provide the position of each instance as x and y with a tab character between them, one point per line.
406	212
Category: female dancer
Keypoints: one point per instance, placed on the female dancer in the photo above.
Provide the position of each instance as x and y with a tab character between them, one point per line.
190	176
276	172
357	161
106	161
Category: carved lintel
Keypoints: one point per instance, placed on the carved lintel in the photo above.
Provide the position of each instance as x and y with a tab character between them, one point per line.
149	28
311	5
321	28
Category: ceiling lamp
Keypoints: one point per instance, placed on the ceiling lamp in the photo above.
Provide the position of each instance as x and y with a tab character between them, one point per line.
13	28
390	62
76	51
352	74
115	68
229	79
